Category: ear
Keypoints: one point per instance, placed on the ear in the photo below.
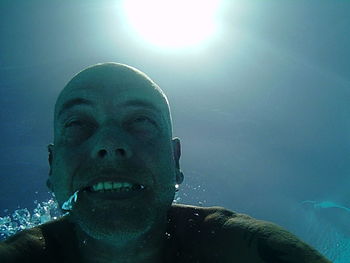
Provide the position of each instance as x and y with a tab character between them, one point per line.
177	154
50	158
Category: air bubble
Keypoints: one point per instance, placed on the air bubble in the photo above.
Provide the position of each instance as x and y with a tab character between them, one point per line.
22	219
68	205
168	235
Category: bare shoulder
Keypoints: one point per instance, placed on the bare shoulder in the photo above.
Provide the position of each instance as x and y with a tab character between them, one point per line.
31	245
19	246
236	236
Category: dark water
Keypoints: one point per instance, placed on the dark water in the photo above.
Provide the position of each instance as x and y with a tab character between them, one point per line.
263	111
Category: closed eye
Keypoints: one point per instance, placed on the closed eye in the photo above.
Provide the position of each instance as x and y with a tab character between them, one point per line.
142	119
143	126
78	123
77	130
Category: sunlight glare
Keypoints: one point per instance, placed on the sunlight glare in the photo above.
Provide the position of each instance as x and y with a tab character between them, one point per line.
172	23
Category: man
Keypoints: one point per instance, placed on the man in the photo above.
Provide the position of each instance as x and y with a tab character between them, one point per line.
114	159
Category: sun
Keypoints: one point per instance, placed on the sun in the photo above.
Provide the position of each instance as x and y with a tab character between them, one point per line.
172	23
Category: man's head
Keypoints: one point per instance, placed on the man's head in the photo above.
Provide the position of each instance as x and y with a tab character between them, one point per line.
112	128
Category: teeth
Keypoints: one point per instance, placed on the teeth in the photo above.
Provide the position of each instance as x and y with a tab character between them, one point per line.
107	185
115	186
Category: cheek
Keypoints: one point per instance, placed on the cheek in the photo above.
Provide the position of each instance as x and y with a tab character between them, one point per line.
157	157
164	166
63	167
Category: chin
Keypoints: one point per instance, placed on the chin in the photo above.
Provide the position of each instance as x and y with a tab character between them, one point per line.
107	232
116	223
120	223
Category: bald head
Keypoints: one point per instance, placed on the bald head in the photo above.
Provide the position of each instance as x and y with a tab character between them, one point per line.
114	79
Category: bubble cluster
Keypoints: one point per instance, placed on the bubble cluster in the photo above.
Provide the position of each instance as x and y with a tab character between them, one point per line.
22	218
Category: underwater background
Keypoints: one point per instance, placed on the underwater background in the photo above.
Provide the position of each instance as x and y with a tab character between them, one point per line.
262	109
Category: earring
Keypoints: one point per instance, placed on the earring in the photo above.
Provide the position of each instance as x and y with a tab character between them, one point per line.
176	187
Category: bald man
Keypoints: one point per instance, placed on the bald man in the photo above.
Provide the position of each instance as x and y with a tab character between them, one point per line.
114	166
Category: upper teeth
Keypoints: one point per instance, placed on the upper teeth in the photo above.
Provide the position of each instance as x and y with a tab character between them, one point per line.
112	186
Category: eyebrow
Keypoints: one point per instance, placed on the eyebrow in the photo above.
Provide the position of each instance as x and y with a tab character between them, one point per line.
74	102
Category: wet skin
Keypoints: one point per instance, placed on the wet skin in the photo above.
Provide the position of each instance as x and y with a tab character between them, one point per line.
112	123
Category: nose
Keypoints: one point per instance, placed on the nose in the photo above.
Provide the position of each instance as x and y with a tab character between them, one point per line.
111	146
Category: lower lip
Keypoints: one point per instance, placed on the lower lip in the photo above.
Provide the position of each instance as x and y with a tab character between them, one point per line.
109	195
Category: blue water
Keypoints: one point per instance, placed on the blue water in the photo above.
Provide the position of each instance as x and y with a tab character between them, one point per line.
324	234
262	111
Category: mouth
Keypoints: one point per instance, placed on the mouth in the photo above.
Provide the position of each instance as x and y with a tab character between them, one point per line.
114	190
110	186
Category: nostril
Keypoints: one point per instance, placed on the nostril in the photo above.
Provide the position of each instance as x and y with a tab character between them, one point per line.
121	152
102	153
118	152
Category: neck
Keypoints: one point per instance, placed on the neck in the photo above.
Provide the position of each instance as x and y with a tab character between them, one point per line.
146	248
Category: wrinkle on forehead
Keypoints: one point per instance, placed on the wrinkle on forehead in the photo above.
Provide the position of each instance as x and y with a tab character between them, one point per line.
114	79
112	76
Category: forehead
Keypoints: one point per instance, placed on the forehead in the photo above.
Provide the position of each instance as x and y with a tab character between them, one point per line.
111	86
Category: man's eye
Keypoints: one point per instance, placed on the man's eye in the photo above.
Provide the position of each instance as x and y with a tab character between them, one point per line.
142	119
78	125
78	130
142	125
74	123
